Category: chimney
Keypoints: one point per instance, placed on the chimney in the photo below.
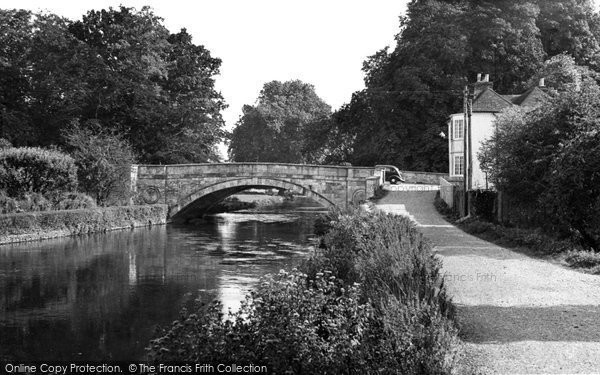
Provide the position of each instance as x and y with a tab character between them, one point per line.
482	84
542	82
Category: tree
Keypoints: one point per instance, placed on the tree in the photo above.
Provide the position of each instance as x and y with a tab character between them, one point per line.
546	161
561	73
571	27
163	96
103	161
274	130
119	67
441	46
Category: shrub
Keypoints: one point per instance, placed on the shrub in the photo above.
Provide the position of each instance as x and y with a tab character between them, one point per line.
35	202
412	331
104	160
443	207
370	300
73	201
547	161
8	205
289	323
483	203
35	170
583	259
5	143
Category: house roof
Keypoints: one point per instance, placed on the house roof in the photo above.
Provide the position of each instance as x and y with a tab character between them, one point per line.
489	100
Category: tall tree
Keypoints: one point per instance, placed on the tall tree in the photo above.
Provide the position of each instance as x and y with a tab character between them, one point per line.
163	95
572	27
274	130
119	67
441	46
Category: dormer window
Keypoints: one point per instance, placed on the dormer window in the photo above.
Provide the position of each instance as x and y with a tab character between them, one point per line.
459	128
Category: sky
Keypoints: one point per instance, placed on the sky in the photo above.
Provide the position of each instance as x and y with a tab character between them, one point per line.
321	42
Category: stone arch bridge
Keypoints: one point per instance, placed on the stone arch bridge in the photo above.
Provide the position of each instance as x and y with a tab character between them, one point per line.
192	188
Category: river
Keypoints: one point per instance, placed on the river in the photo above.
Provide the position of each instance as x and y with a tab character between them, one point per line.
102	296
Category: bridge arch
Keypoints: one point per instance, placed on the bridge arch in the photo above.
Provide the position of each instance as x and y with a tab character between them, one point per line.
206	196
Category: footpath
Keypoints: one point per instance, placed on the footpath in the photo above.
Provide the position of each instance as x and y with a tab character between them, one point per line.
517	314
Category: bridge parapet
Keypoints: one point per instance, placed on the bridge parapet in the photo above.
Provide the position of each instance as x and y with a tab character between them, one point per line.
189	187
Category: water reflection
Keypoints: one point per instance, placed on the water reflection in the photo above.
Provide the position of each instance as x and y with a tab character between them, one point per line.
101	296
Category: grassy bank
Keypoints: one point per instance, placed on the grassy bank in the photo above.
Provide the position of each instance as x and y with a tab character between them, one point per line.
32	226
369	300
531	241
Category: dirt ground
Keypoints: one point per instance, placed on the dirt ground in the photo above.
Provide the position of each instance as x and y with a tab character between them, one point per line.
517	314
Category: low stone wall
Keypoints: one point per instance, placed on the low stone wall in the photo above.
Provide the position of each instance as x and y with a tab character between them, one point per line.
430	178
31	226
447	192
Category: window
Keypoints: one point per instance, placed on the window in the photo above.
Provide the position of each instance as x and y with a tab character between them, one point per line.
459	128
459	162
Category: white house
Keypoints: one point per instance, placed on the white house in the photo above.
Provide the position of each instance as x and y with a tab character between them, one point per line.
487	103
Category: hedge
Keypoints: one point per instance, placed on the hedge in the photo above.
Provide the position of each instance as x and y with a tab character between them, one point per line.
47	224
36	170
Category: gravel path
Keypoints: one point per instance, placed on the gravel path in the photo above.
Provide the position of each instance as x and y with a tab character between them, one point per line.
518	315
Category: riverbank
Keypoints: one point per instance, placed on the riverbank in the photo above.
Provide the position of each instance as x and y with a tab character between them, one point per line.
33	226
369	299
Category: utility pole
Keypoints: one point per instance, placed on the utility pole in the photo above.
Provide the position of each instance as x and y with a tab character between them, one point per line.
465	151
470	161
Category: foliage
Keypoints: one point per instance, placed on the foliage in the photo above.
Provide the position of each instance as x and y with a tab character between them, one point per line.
584	259
119	67
547	162
483	203
4	143
276	129
289	324
230	204
370	300
536	240
35	170
81	221
36	202
443	208
561	73
441	46
74	201
103	159
570	26
8	205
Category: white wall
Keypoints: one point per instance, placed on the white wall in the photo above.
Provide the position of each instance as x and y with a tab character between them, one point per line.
482	127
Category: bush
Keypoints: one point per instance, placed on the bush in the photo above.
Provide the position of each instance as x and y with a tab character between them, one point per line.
35	202
104	162
483	203
35	170
5	143
584	259
370	300
8	205
289	323
443	208
74	201
31	225
547	161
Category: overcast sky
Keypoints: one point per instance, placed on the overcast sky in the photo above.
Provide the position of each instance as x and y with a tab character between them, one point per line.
322	42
